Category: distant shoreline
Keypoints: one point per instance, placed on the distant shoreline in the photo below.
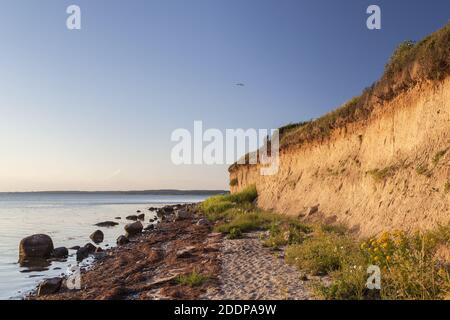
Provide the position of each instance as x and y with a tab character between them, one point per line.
131	192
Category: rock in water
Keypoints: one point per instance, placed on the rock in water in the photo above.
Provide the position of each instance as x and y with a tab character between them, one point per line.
38	246
60	253
107	224
134	228
85	251
97	236
90	247
122	240
49	286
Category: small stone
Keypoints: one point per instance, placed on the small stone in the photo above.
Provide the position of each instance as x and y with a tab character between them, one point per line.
186	252
134	228
49	286
181	215
202	222
60	253
107	224
122	240
97	236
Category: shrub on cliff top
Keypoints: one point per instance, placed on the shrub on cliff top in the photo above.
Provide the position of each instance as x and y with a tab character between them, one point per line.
410	63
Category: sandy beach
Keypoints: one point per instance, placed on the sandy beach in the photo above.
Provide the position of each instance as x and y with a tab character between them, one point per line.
152	264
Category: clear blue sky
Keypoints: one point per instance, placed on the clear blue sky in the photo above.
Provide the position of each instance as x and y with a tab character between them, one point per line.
94	109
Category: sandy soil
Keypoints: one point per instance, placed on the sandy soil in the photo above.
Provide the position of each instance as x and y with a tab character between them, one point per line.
250	271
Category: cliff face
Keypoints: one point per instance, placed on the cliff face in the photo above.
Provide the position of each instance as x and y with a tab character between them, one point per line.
390	171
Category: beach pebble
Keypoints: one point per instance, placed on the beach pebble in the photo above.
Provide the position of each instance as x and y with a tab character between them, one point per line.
122	240
49	286
134	228
202	222
181	215
186	252
60	252
107	223
85	251
149	227
97	236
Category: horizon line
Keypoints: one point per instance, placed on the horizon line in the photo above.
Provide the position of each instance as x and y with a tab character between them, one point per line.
167	191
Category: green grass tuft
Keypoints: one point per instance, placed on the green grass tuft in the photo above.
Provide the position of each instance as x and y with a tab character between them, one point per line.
193	279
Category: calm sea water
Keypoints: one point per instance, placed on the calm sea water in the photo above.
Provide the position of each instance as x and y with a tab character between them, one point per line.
69	220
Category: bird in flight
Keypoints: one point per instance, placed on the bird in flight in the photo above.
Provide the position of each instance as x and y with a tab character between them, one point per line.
240	84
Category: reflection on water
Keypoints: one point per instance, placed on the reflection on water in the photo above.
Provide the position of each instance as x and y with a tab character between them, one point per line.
69	220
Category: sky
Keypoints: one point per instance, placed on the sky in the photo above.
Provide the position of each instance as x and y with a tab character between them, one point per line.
94	109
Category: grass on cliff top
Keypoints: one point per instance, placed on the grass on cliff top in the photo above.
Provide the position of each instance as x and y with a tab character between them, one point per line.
411	62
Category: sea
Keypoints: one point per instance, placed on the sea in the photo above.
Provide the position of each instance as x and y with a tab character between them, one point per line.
69	218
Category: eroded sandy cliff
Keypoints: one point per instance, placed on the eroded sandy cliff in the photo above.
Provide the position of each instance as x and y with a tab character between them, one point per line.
389	170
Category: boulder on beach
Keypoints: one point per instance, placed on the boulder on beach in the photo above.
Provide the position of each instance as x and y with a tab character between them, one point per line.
60	253
152	209
74	248
107	224
118	218
132	217
122	240
164	211
97	236
138	211
49	286
181	215
149	227
85	251
90	247
134	228
38	246
141	216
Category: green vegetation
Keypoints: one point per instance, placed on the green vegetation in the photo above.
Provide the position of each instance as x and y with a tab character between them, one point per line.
321	254
286	231
437	157
235	233
193	279
409	64
321	127
215	207
410	267
422	170
413	266
381	174
447	187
